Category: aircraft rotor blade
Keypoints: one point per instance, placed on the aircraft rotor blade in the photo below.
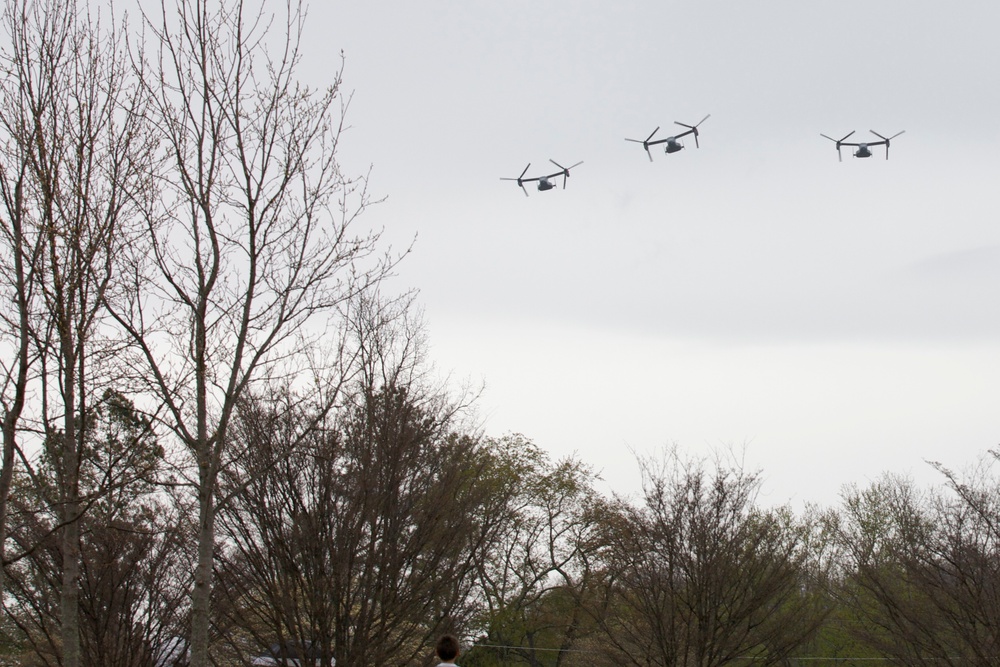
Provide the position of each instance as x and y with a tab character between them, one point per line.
846	135
887	138
652	133
887	143
565	169
519	179
645	145
695	126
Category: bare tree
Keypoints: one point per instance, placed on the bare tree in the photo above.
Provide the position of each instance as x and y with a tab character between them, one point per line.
250	236
76	146
963	573
356	539
878	526
701	576
357	544
924	578
22	245
132	547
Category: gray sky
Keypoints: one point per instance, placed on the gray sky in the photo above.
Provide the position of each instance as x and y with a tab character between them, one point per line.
837	319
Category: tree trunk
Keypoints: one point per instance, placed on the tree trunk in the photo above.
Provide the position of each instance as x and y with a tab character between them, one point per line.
70	594
16	405
6	476
201	597
69	602
13	413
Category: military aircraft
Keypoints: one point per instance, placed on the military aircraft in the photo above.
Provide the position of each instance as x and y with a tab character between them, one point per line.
672	143
864	148
544	182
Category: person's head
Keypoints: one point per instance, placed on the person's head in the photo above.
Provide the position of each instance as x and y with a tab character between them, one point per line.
447	647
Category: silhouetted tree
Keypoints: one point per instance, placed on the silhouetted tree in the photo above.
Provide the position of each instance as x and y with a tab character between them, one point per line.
358	537
702	576
75	151
534	585
925	568
250	243
132	547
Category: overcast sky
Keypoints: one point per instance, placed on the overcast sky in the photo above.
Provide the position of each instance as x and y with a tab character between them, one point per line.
836	319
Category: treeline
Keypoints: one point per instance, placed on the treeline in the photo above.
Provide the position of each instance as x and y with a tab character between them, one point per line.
221	439
366	538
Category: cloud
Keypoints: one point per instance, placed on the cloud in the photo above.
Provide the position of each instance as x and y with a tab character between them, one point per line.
970	266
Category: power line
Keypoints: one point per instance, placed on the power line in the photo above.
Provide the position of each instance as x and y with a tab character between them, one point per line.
813	658
532	648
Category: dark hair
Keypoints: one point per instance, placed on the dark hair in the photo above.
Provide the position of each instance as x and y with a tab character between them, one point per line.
447	647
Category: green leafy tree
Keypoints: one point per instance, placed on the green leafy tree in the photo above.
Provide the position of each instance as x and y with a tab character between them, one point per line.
534	585
828	572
